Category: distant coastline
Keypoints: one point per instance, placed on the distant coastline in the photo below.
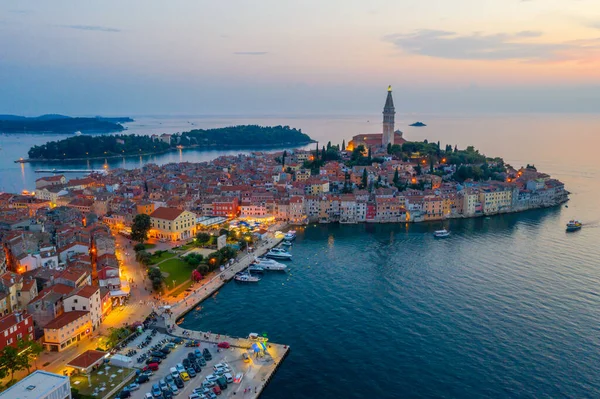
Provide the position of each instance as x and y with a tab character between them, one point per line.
61	124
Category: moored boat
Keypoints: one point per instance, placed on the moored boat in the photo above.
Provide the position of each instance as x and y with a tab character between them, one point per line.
279	253
574	225
286	243
441	233
270	264
246	278
290	235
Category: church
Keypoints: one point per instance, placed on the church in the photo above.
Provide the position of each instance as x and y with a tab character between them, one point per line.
380	140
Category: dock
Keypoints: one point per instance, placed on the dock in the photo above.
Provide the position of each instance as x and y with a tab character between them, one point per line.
259	372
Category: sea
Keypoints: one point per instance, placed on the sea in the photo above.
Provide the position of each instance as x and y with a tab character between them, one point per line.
507	307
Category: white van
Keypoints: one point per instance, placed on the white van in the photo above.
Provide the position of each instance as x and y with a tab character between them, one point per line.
229	378
174	372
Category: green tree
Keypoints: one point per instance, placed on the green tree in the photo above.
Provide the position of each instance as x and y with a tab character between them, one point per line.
202	238
29	351
283	158
343	145
328	145
143	257
389	148
156	277
140	227
116	335
370	155
139	247
11	361
417	169
396	177
193	259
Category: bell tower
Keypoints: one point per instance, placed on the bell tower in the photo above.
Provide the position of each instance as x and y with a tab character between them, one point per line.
388	120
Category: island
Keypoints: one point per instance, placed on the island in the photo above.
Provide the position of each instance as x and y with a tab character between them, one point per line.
418	124
90	147
54	123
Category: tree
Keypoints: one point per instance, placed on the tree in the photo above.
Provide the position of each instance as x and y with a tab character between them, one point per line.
343	145
283	158
139	247
143	257
202	238
418	169
396	177
389	148
156	278
116	335
328	145
29	351
369	156
365	178
193	259
140	227
11	361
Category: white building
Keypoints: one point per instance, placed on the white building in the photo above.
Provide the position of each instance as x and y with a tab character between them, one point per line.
86	298
40	385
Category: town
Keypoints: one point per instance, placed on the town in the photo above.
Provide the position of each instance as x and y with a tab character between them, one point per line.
83	258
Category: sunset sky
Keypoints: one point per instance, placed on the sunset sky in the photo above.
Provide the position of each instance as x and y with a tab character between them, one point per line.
298	57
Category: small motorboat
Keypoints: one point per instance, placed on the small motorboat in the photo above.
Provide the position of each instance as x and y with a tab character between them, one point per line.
286	243
290	235
279	253
441	233
574	225
246	278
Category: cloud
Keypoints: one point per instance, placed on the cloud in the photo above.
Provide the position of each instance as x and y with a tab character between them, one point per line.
92	28
250	53
493	47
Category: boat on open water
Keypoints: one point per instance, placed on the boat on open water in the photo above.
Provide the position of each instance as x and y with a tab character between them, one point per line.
574	225
441	233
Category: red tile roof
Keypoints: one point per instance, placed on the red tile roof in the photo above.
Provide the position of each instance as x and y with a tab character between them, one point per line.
87	359
65	319
166	213
86	291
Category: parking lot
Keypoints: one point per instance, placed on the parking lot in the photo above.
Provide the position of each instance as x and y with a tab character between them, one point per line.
255	370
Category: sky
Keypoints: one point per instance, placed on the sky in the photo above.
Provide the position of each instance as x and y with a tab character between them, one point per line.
297	57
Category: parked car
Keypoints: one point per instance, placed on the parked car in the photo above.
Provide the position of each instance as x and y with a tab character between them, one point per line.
171	345
224	345
124	394
196	367
191	372
169	378
179	382
167	394
142	378
151	366
186	362
156	392
147	373
191	355
133	386
184	376
194	396
162	384
211	377
197	353
179	367
165	350
222	382
221	366
173	388
174	372
208	384
217	390
153	360
228	377
158	354
148	395
238	378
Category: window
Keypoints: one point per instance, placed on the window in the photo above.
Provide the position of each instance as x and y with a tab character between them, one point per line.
72	307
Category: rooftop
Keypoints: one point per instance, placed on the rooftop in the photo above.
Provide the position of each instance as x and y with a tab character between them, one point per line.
166	213
65	319
36	385
87	359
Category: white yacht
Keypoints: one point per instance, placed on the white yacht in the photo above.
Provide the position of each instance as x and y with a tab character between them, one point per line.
246	278
441	233
279	253
270	264
290	235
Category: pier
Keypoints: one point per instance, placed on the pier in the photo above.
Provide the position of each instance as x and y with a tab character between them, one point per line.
259	371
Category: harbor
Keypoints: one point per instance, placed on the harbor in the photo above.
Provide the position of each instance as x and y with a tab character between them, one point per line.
242	354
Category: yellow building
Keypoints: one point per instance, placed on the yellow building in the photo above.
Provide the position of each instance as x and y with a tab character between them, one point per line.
495	200
172	224
302	175
145	207
66	330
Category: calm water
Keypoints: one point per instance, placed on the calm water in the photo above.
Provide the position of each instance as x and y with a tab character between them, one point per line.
507	307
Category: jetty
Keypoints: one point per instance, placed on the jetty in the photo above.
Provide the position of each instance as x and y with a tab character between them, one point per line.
261	370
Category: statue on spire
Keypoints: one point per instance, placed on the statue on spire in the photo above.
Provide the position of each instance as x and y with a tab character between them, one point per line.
390	88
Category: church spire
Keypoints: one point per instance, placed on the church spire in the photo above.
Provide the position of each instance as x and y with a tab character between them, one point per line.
388	120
